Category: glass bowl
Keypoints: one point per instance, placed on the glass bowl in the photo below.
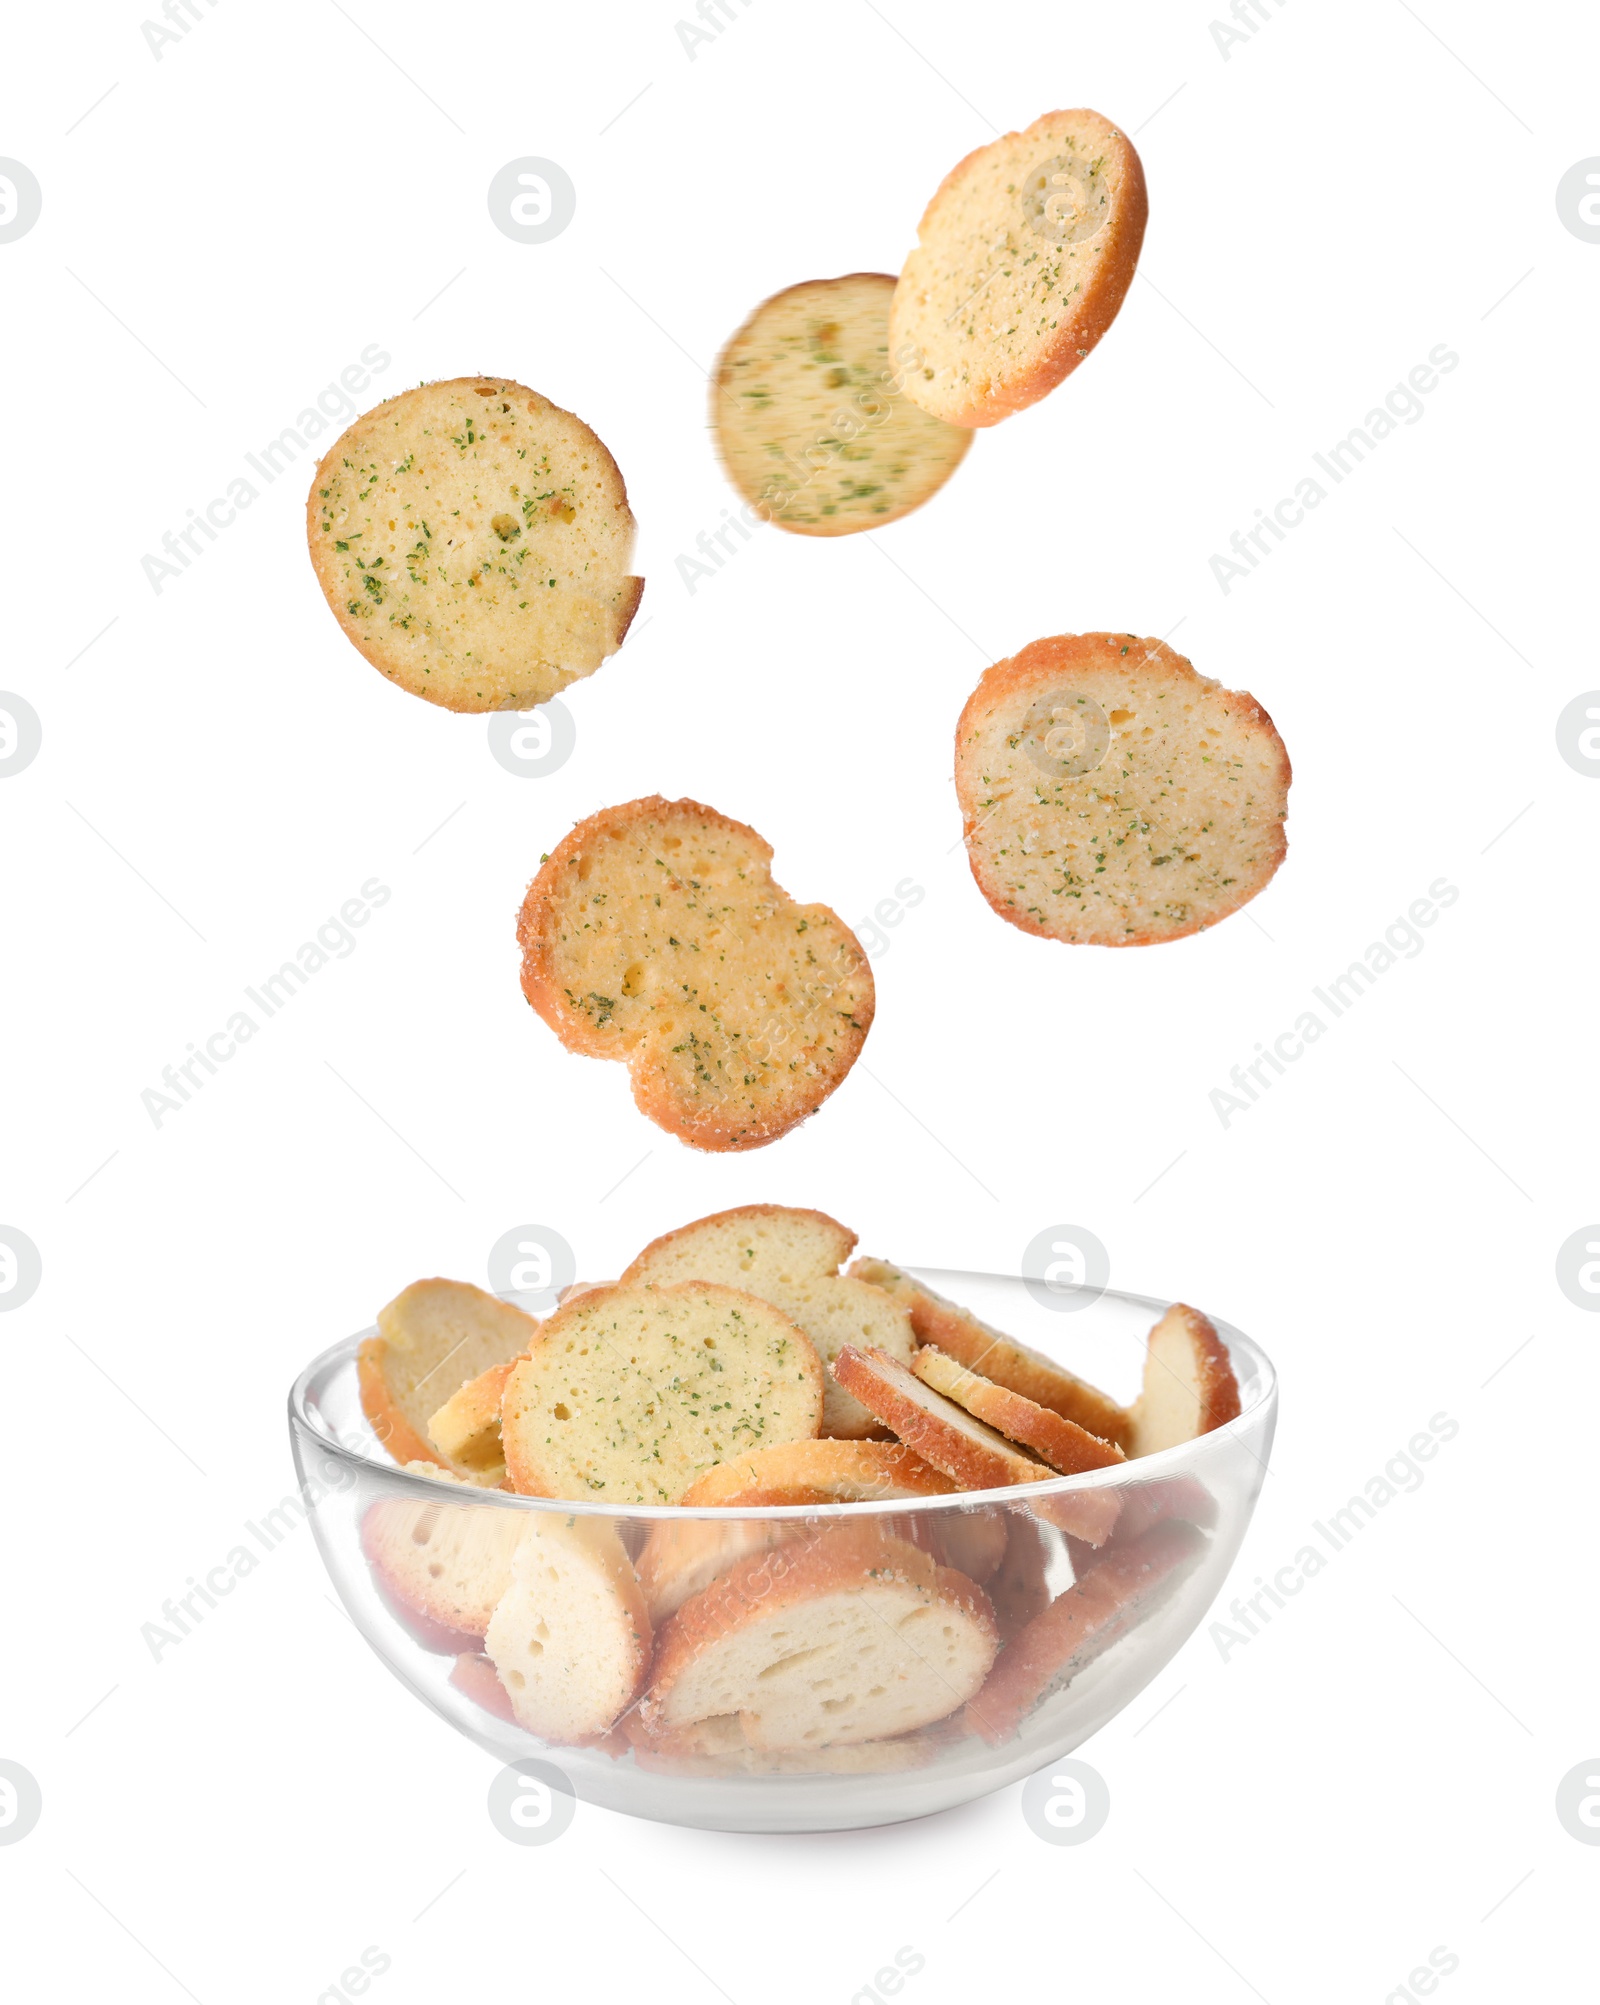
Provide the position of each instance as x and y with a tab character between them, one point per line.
1090	1583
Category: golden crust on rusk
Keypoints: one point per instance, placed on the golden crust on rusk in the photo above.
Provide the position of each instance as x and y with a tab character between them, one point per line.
1189	1383
1113	796
1023	258
432	1338
844	1635
466	1429
474	540
1102	1605
1068	1448
655	934
827	1471
976	1455
448	1563
682	1559
961	1335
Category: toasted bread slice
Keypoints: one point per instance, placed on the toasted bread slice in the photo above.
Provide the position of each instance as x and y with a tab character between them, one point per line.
432	1338
570	1638
1189	1384
466	1429
473	540
831	1472
1113	797
679	1560
811	418
629	1394
976	1457
841	1637
962	1336
975	1454
1023	257
754	1246
1065	1445
1114	1593
791	1259
654	934
449	1563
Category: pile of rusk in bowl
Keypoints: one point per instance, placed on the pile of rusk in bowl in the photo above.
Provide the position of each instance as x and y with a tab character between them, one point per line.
743	1514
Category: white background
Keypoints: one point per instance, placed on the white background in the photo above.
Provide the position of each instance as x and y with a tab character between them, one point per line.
1374	1775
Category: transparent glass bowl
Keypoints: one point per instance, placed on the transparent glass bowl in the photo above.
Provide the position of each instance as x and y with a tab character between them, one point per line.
1169	1525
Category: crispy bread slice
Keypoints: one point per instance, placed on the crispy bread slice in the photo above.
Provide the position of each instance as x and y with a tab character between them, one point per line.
1023	257
449	1563
754	1246
473	540
1189	1384
1112	796
570	1638
1065	1445
629	1394
1114	1593
654	934
845	1472
981	1349
680	1560
432	1338
791	1259
811	418
831	1472
466	1429
975	1454
841	1637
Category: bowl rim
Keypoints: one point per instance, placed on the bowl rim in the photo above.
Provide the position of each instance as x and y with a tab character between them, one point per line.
1165	1463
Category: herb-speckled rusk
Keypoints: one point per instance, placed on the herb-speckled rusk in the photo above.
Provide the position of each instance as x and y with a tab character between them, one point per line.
654	934
629	1394
432	1338
811	416
473	540
1023	257
1178	824
789	1258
